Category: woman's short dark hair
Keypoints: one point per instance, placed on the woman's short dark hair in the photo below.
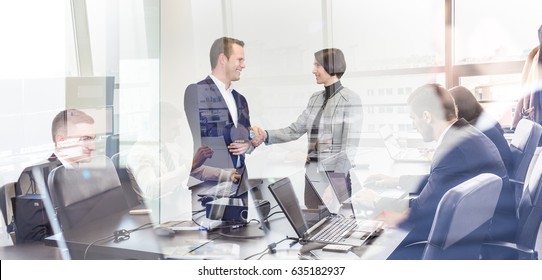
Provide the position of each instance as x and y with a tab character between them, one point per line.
467	106
332	60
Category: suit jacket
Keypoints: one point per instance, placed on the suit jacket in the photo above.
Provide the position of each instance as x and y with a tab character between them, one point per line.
464	153
208	116
24	185
339	128
495	134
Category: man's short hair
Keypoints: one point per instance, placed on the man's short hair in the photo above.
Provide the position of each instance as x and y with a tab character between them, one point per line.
332	60
223	45
435	99
69	116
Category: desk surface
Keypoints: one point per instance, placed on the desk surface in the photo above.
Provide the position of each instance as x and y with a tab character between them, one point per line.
146	244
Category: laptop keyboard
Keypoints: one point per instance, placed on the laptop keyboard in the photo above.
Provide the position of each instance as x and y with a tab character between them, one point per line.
224	189
336	231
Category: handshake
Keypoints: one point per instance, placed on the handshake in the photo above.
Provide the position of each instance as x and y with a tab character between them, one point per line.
258	136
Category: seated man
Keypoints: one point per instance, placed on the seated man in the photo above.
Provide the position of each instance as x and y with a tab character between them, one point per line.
462	152
73	135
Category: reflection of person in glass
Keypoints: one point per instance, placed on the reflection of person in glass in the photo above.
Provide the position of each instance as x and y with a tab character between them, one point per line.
161	162
213	107
333	117
74	135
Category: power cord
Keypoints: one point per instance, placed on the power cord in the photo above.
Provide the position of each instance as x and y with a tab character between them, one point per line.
117	236
197	211
195	248
270	248
93	242
266	219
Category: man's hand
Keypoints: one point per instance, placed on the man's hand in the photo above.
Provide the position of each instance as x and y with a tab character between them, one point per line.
366	198
392	218
259	137
238	148
235	177
202	154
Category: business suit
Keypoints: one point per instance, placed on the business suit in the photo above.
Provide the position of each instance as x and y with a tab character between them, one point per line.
463	153
339	127
203	105
495	134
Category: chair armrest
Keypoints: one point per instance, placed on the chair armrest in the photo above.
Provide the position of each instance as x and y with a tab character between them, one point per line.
419	243
507	250
516	182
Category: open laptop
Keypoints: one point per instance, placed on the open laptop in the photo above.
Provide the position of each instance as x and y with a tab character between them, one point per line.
387	197
326	227
398	153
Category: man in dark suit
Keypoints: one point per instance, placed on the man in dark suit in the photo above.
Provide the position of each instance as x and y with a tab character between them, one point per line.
218	115
462	152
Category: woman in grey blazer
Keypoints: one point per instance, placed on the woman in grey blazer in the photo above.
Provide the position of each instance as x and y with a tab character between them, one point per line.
332	119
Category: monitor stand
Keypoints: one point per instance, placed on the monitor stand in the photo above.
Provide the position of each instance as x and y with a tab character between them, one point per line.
247	231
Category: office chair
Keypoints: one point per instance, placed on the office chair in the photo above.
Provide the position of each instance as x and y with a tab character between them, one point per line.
462	220
7	191
523	146
529	211
129	185
82	195
112	144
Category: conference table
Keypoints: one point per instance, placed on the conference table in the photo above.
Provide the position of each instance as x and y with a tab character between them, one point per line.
98	240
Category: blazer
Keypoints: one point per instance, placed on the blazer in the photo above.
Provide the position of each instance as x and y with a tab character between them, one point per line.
339	128
24	185
495	134
464	153
208	115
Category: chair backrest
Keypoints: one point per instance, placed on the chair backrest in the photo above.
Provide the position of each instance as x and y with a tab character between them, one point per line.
87	193
7	191
523	145
131	189
462	220
530	208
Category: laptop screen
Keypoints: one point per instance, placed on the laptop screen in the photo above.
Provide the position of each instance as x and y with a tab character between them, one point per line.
337	178
284	194
300	219
390	141
242	184
339	185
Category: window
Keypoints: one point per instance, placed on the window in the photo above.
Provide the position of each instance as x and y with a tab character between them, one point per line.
481	34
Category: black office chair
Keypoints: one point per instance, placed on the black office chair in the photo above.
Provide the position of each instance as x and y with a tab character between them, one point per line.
523	146
85	194
529	213
132	192
462	220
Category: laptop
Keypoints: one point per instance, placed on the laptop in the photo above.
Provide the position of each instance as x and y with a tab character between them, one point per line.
324	227
231	189
398	153
336	168
387	198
